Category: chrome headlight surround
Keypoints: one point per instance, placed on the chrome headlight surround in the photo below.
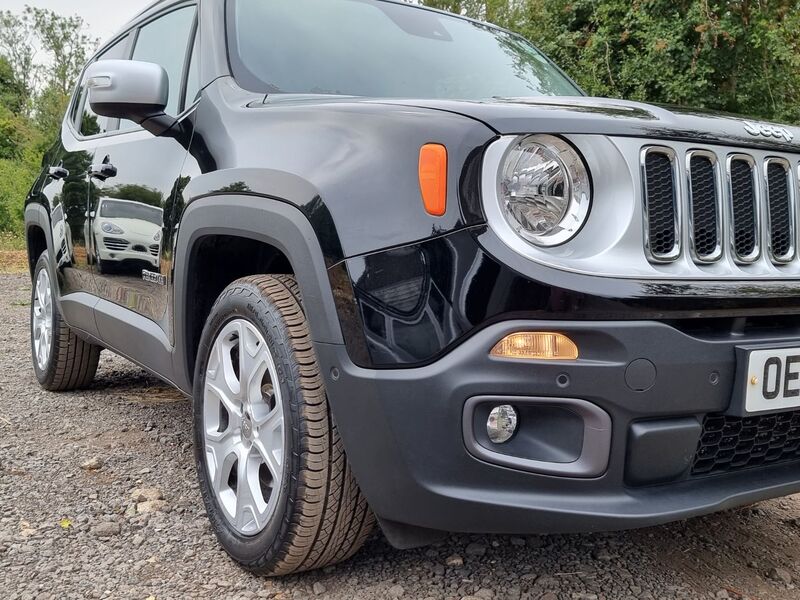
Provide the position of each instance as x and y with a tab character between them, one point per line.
546	176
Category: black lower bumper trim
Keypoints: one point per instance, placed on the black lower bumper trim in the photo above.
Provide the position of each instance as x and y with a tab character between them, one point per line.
402	430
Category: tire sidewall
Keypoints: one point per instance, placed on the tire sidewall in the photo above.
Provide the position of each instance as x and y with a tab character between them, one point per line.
246	302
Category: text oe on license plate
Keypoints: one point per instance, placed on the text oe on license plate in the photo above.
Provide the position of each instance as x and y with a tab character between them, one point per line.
773	380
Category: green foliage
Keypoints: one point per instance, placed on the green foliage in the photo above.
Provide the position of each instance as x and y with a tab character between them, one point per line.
33	99
135	193
739	56
16	178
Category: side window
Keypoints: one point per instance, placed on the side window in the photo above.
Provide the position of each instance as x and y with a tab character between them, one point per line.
88	123
193	77
165	42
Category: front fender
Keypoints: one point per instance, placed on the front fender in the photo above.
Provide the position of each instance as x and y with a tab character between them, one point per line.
268	220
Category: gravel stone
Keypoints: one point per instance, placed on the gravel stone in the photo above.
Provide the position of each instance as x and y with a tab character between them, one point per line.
151	506
475	549
93	464
106	529
146	494
454	561
781	575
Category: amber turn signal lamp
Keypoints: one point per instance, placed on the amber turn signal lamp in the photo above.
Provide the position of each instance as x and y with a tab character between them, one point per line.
536	345
433	178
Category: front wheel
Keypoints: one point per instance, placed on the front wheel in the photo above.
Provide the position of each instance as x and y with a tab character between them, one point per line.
61	360
273	474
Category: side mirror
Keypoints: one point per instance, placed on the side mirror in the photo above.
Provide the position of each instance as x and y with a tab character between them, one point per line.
130	89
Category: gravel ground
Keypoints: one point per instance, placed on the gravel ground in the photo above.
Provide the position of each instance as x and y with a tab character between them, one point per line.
82	477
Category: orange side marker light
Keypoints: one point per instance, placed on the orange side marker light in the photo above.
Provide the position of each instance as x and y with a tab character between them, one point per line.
433	178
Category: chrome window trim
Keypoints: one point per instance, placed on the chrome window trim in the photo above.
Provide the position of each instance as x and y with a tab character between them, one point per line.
791	187
757	200
673	254
718	205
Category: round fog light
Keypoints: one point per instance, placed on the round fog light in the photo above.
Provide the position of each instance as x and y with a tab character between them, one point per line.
502	423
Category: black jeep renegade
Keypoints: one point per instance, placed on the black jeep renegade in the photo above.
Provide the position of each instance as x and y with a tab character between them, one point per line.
409	273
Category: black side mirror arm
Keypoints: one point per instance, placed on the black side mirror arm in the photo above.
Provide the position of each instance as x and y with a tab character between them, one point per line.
163	125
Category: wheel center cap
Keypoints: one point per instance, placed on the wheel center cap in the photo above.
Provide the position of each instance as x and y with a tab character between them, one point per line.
247	428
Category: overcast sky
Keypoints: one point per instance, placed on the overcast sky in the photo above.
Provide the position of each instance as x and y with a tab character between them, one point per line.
103	17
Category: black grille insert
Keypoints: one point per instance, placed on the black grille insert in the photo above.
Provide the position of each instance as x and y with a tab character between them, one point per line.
743	205
735	443
781	228
705	212
660	203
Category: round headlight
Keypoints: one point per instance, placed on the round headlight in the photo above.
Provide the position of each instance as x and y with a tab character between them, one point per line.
544	190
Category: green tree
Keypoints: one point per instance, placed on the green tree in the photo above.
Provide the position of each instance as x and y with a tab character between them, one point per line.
33	98
13	96
739	56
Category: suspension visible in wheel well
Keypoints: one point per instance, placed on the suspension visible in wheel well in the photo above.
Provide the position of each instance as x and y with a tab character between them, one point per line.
37	243
214	262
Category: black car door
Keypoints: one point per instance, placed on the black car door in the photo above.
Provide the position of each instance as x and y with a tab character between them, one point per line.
130	215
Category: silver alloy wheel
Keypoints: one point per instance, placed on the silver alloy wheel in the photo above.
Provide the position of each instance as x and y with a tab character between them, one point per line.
42	322
243	427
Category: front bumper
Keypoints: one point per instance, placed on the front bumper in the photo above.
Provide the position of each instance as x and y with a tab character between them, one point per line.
404	431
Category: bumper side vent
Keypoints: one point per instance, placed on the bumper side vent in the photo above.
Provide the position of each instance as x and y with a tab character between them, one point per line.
704	197
744	208
780	210
661	204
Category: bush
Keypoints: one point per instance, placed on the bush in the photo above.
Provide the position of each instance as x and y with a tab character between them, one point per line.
16	178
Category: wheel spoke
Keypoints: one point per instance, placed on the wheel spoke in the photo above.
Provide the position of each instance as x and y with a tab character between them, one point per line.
222	452
253	363
247	511
39	292
270	459
222	382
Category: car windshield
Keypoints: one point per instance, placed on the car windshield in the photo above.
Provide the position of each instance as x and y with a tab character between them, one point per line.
382	49
111	209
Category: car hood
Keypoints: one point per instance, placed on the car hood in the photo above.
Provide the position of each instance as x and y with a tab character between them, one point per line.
586	115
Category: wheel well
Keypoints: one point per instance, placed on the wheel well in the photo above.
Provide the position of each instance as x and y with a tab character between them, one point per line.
216	261
37	243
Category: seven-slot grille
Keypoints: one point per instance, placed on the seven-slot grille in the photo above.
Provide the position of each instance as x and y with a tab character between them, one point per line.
725	198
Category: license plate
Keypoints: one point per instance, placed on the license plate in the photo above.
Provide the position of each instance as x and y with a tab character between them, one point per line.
773	380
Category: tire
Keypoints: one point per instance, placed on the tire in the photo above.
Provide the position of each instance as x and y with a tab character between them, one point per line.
67	362
319	516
